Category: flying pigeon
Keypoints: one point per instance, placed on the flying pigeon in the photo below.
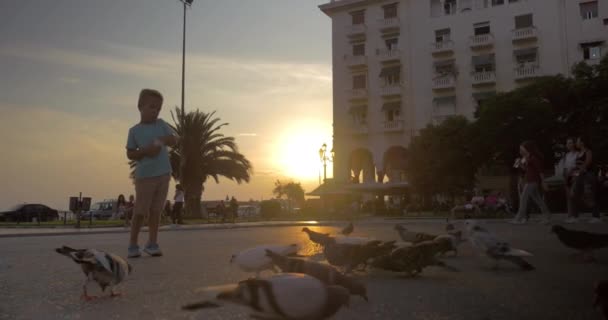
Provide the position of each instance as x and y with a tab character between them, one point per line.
316	237
326	273
289	296
348	229
413	259
581	240
413	237
486	243
255	259
107	269
601	297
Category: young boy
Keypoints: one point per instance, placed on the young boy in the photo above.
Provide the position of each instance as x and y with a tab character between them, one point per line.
147	144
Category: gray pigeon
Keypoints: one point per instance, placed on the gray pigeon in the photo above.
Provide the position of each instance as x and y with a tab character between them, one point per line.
351	255
326	273
413	259
413	237
287	296
255	259
348	229
486	243
316	237
107	269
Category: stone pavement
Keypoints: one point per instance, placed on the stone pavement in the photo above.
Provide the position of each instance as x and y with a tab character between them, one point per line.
37	283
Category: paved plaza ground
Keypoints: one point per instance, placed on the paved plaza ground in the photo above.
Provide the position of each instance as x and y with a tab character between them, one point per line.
37	283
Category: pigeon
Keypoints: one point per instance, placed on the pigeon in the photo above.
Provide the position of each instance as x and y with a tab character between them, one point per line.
351	256
105	268
348	229
411	260
316	237
581	240
413	237
255	259
485	242
601	297
288	296
328	274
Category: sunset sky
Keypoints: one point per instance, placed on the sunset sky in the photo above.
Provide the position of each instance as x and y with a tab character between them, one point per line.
72	70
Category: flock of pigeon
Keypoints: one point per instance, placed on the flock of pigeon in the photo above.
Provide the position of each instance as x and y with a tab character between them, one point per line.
327	287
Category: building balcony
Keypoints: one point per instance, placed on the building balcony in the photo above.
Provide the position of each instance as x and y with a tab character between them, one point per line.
526	72
444	82
354	61
442	47
359	129
485	77
391	90
524	34
355	30
393	126
357	93
388	54
388	24
482	40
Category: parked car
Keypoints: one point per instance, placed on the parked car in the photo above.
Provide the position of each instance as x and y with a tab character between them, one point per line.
29	212
103	210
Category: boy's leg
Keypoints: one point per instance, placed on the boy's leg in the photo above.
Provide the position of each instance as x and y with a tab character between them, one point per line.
156	207
144	191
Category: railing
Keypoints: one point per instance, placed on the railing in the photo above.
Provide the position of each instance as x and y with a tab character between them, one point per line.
442	46
444	82
359	129
386	53
524	33
482	40
483	77
527	71
388	23
391	89
355	60
395	125
357	93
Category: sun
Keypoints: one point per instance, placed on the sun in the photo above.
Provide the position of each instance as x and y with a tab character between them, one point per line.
298	151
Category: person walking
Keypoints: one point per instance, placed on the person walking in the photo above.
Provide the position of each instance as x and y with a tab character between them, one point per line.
568	165
584	190
178	204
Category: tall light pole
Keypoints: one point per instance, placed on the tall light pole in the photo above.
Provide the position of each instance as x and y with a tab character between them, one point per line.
186	4
324	158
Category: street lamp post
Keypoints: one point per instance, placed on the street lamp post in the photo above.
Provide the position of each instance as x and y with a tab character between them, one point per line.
186	4
324	158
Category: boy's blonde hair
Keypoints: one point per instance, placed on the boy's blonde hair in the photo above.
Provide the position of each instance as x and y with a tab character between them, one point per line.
148	93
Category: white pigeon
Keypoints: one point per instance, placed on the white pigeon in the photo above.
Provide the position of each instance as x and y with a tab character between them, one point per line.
288	296
255	259
105	268
488	244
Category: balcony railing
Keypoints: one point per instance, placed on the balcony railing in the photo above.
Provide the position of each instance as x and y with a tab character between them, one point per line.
484	77
388	54
388	23
356	29
352	61
359	129
524	34
393	126
526	72
444	82
443	46
482	40
391	90
357	93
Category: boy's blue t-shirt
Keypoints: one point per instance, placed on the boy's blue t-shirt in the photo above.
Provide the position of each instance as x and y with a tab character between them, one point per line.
142	135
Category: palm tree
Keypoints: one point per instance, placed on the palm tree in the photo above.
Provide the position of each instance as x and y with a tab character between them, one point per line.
203	152
292	190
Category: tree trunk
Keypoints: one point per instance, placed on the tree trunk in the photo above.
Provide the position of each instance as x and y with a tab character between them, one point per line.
193	195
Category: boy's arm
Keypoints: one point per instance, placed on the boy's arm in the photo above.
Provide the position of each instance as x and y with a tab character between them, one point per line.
170	137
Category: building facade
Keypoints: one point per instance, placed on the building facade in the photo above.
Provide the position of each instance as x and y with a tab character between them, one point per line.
399	65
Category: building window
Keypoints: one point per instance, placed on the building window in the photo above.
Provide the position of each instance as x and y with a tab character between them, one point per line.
444	67
442	35
359	49
482	4
483	63
592	51
391	43
392	110
392	115
449	7
481	28
359	114
390	11
359	81
391	75
588	10
606	22
513	1
465	5
358	17
526	56
524	21
497	2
